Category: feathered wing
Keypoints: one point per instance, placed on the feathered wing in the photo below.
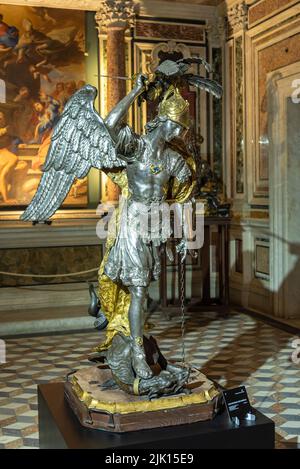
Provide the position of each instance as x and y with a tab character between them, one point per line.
205	84
195	60
80	140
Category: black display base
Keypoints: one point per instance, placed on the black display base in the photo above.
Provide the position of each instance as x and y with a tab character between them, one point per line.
59	428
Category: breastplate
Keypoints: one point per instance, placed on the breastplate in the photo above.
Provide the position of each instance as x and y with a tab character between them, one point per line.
146	185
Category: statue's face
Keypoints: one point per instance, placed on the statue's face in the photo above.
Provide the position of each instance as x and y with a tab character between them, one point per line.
172	130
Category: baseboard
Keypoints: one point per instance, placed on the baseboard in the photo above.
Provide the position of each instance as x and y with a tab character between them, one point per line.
44	296
247	298
281	323
23	328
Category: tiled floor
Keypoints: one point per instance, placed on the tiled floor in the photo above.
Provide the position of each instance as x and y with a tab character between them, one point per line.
233	351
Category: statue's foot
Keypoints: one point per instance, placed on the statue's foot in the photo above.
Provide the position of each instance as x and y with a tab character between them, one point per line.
138	360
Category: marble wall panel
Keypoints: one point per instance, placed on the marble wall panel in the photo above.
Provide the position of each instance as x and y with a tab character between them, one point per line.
239	116
48	260
182	32
217	115
239	256
262	257
266	8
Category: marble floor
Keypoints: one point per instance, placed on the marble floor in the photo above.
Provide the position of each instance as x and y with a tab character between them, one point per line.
237	350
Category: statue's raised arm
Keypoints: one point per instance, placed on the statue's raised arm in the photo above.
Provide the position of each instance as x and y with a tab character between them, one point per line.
117	115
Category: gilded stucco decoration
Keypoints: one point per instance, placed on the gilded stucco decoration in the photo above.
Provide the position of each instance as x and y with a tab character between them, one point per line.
119	13
167	47
238	17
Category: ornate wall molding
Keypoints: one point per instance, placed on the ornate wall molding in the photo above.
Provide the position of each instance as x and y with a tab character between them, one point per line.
284	191
116	13
89	5
237	18
251	287
170	46
235	116
162	30
149	8
266	51
239	117
265	9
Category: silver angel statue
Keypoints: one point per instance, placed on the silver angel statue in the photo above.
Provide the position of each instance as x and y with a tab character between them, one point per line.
147	170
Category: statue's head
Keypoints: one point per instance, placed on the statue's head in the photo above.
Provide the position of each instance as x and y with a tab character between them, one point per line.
169	129
173	115
172	129
175	107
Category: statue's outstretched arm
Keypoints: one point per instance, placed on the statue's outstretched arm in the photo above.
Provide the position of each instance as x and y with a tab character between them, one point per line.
118	113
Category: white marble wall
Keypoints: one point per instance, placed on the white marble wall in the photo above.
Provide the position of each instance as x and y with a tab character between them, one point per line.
266	213
284	133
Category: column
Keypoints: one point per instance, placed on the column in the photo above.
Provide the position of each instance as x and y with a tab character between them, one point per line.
114	17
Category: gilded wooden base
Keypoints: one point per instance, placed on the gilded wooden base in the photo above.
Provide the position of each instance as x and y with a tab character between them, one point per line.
116	411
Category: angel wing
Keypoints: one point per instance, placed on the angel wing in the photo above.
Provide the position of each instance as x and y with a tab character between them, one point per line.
80	140
196	60
206	84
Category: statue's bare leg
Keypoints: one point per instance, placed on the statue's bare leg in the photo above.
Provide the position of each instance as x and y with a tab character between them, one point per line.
136	322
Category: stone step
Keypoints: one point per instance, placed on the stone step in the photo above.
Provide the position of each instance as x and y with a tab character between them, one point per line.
31	416
7	419
21	429
32	440
29	373
10	391
14	367
10	442
7	376
14	408
21	382
4	401
26	397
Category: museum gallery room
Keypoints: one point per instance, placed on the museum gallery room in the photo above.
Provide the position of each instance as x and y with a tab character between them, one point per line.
149	224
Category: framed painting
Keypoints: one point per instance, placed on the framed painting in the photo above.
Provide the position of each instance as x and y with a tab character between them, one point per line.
42	63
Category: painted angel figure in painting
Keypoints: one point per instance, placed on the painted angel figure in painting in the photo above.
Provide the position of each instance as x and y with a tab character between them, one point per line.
146	169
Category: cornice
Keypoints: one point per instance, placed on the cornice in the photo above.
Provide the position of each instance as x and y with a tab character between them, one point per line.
152	8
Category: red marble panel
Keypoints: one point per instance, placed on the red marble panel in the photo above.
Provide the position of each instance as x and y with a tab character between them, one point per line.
183	32
267	8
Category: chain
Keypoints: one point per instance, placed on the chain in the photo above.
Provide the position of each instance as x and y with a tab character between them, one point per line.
182	298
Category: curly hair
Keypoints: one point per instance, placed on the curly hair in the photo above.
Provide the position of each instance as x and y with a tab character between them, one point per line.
150	126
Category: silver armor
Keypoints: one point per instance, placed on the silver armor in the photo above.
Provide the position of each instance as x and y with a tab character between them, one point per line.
81	140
